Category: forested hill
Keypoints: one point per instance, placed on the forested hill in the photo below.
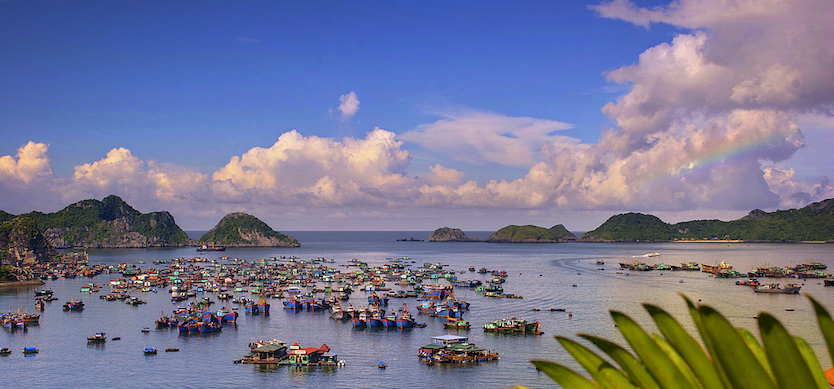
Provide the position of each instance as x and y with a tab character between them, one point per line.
814	222
243	230
109	223
531	234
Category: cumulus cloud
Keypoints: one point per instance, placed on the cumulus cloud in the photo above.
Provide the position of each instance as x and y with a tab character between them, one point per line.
322	171
747	70
31	163
479	137
349	105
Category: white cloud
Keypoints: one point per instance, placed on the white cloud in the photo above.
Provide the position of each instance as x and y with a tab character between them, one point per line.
31	163
321	171
349	105
480	137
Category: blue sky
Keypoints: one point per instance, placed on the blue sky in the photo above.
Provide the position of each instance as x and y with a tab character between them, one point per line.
154	101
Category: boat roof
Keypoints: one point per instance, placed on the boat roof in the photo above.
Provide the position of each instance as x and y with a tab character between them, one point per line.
449	337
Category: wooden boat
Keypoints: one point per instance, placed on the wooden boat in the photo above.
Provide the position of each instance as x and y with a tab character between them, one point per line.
456	324
776	288
513	325
211	248
99	337
171	350
74	305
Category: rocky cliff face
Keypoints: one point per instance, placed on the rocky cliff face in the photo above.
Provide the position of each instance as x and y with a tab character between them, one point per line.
23	244
447	234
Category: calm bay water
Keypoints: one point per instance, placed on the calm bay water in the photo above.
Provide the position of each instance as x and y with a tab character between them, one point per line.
544	274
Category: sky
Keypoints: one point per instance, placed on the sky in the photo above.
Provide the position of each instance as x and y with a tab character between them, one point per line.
415	115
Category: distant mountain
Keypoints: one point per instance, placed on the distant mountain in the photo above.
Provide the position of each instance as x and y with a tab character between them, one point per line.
814	222
109	223
531	234
447	234
243	230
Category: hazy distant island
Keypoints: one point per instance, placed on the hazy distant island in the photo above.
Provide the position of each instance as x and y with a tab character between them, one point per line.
812	223
531	234
243	230
447	234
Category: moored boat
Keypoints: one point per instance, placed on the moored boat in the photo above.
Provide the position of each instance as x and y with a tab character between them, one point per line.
777	288
456	324
99	337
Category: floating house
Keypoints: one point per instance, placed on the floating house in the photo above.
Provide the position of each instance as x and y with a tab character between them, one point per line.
310	356
454	349
266	352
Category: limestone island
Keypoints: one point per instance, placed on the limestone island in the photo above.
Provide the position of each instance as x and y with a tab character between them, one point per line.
813	223
447	234
242	230
531	234
109	223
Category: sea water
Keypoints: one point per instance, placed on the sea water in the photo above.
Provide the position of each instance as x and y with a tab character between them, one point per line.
548	276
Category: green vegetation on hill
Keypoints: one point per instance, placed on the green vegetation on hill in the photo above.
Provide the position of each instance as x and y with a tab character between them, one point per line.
5	216
814	222
531	234
108	223
240	229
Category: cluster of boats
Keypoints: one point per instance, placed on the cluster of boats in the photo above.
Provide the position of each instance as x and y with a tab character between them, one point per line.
195	320
642	266
19	319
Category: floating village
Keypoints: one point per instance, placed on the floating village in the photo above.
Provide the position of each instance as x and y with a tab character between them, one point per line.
209	295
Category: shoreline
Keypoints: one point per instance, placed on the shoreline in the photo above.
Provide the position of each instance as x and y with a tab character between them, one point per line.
17	284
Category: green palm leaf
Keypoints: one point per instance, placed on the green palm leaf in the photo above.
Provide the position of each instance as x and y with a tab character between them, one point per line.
635	369
812	362
657	363
757	350
686	346
826	325
787	362
564	376
603	373
731	351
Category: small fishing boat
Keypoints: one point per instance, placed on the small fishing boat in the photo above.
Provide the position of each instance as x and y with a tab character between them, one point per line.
777	288
171	350
74	305
99	337
456	324
146	329
382	365
31	350
150	351
5	351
